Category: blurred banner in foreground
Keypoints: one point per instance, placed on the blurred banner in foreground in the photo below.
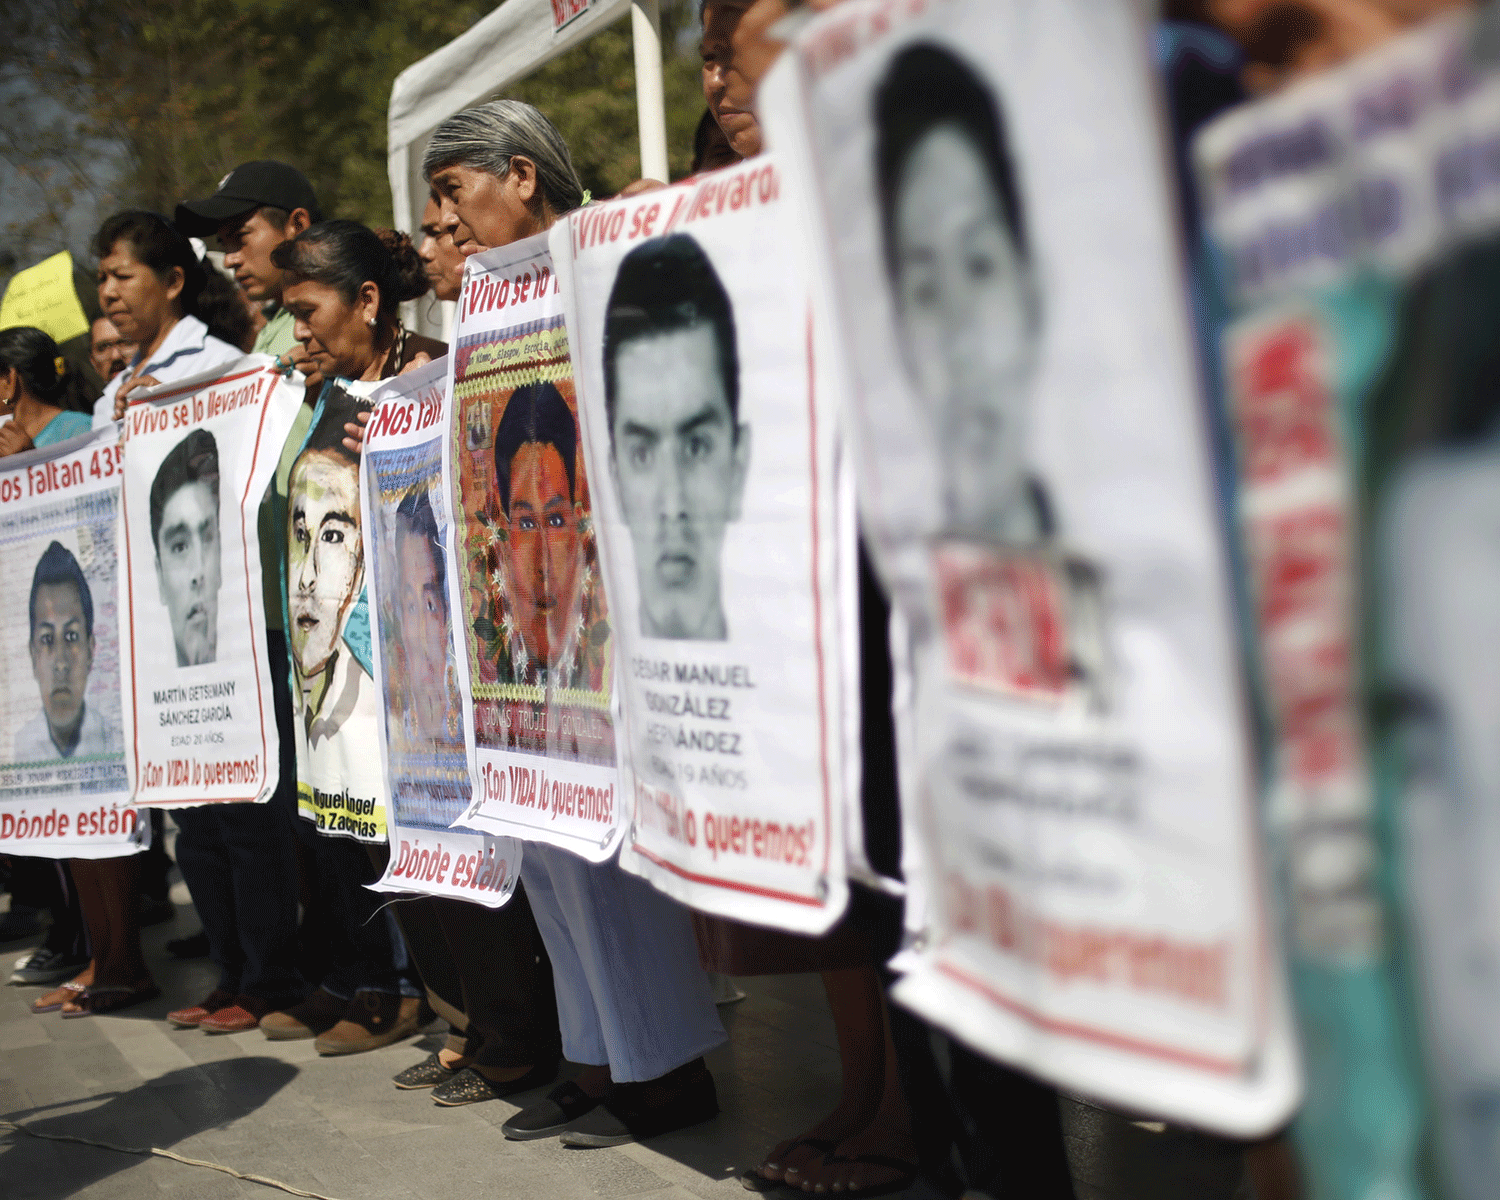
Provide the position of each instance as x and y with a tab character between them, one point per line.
1035	484
723	542
63	790
408	537
1357	217
199	721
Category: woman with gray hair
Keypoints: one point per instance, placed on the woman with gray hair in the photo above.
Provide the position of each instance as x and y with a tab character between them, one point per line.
499	172
636	1008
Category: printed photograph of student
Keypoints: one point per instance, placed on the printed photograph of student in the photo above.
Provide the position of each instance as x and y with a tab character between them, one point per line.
1021	616
423	689
325	567
185	532
552	600
679	452
62	655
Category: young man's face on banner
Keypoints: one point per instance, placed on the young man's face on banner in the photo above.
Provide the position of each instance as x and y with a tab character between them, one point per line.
62	654
423	622
189	571
680	465
966	319
544	550
325	554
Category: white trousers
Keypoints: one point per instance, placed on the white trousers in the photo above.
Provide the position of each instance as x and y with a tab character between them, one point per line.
630	991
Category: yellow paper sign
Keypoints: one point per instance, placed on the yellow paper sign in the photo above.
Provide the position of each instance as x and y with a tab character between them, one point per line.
44	296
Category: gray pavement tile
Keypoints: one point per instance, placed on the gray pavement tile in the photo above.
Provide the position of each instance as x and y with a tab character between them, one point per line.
338	1127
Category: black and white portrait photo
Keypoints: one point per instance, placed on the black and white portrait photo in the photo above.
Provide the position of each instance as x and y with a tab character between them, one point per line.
185	534
679	451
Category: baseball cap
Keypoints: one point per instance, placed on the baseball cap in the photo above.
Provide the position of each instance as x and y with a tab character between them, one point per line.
247	187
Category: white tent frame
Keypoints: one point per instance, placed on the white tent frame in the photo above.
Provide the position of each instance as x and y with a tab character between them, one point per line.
506	46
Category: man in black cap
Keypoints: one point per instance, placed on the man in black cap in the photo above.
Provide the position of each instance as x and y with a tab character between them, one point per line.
258	206
239	860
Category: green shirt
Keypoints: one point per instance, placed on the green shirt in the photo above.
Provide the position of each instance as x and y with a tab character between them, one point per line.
276	338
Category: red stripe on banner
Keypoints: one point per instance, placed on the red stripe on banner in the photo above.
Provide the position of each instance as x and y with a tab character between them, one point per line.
192	389
260	700
731	884
1116	1041
812	421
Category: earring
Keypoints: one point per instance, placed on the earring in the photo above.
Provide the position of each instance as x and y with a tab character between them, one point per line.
371	322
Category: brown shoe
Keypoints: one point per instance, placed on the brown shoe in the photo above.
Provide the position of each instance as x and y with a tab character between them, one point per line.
245	1013
317	1014
194	1015
373	1019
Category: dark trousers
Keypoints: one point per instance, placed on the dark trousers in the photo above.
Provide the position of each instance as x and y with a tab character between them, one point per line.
239	862
363	948
46	883
491	964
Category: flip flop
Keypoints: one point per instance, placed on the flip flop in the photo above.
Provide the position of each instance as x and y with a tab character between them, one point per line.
76	988
907	1168
96	1001
753	1181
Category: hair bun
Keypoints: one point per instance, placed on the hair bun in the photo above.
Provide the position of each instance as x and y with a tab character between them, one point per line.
411	274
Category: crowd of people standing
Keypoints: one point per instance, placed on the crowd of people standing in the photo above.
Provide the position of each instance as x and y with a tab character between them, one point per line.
586	963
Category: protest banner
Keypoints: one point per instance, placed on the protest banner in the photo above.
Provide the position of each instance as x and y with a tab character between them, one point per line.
340	784
1358	218
1035	487
425	714
538	656
727	555
45	297
63	786
199	722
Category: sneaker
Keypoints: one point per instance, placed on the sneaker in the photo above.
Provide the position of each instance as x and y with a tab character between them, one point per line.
319	1013
633	1112
195	1014
564	1104
47	966
371	1020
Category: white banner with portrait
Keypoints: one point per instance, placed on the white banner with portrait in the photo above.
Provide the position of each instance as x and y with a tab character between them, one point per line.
63	786
1035	484
408	540
726	553
538	644
341	788
200	726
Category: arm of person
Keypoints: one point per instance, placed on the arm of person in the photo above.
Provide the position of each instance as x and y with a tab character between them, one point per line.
13	439
122	396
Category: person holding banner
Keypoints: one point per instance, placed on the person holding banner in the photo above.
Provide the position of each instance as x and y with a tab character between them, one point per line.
239	860
38	394
150	281
636	1008
37	385
342	284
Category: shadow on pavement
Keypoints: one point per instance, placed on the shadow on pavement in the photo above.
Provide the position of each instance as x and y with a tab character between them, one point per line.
161	1113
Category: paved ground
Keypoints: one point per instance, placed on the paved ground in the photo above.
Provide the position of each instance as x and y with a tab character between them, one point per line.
337	1127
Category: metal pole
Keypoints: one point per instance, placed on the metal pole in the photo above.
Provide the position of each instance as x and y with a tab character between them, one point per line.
650	95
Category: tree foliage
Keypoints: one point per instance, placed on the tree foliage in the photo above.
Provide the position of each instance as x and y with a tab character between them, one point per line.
146	102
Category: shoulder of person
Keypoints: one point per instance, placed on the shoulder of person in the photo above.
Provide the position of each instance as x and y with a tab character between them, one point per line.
417	343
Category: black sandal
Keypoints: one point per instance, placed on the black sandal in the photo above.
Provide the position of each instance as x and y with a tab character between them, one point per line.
753	1181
